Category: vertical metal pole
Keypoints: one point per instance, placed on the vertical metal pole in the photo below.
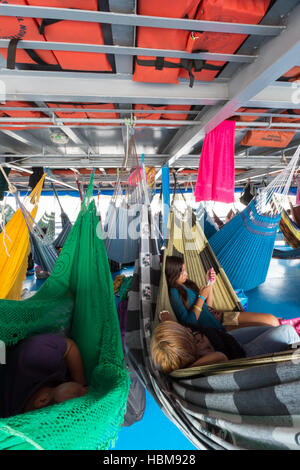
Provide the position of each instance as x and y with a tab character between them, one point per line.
166	197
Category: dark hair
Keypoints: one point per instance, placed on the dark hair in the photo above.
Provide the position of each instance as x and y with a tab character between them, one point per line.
173	270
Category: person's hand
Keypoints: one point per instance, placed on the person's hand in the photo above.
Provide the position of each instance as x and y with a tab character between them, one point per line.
164	315
204	291
210	276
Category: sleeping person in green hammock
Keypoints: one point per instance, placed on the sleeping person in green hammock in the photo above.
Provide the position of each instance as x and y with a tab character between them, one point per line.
41	370
194	305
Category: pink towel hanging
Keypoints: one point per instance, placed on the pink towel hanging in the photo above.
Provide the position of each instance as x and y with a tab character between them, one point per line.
215	180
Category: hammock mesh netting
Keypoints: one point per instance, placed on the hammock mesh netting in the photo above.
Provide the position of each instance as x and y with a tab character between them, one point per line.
77	298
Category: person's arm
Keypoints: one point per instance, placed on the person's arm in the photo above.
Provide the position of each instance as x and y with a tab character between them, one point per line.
182	313
210	276
74	362
194	315
197	307
215	357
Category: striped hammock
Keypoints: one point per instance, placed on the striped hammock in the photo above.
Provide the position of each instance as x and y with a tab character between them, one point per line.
290	230
286	254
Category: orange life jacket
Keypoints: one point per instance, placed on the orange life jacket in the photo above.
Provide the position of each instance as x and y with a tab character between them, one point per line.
161	69
233	11
249	118
160	114
82	114
175	116
19	114
292	75
58	31
16	28
272	138
269	138
167	70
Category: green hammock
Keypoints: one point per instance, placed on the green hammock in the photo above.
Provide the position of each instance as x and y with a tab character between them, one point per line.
78	296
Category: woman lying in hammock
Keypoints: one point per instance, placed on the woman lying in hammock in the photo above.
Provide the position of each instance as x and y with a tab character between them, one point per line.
41	370
174	346
189	301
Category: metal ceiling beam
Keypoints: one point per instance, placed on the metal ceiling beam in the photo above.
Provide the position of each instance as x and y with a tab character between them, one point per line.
27	85
115	161
253	174
156	122
281	95
120	50
55	180
275	58
265	115
24	85
138	20
123	36
120	111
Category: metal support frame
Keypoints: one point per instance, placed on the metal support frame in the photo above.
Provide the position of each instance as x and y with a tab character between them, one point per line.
155	122
116	160
254	174
68	86
24	85
252	86
123	36
128	51
45	109
48	178
138	20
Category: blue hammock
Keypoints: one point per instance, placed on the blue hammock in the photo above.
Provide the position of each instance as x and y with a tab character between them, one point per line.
245	245
120	245
286	254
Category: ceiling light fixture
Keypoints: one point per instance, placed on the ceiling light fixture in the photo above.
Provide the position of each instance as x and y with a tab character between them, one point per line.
59	138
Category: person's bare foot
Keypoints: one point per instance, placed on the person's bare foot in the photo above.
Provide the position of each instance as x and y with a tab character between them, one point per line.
164	316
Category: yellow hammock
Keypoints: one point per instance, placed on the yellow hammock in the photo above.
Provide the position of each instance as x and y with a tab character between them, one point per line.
290	232
188	240
15	248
